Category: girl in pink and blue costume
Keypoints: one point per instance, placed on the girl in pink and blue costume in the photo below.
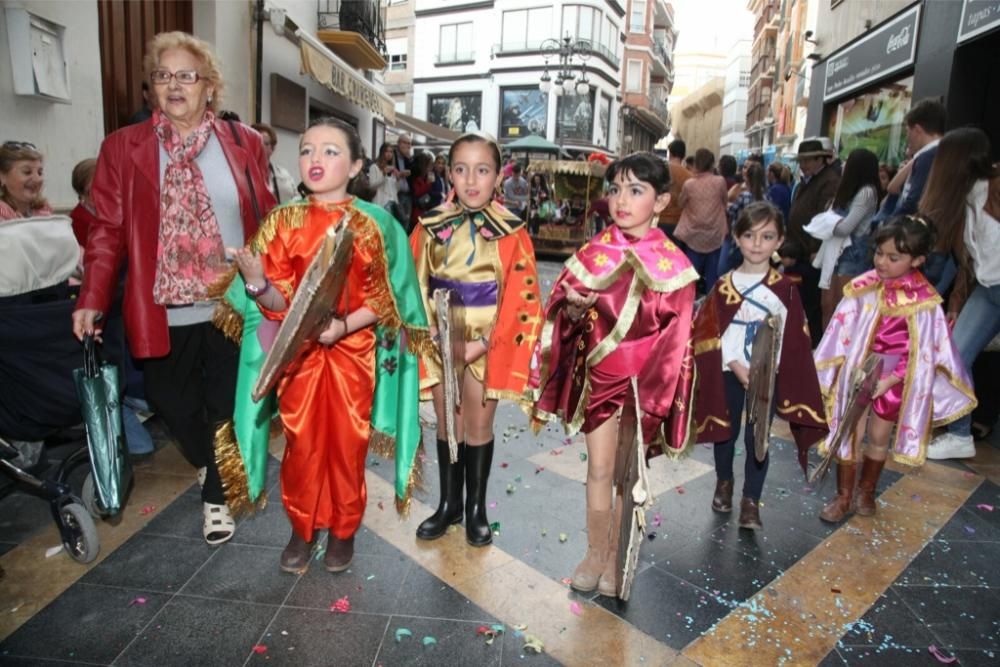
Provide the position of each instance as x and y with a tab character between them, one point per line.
893	312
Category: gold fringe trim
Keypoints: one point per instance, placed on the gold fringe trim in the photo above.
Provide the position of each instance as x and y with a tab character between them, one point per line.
229	321
289	216
382	444
418	341
233	474
416	482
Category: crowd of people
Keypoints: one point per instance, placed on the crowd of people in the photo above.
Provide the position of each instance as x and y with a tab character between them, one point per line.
184	218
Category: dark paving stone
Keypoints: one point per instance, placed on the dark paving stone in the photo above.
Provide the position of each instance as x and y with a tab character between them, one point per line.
22	515
183	517
780	544
242	572
888	657
521	535
889	624
970	524
728	573
667	608
423	594
86	623
6	546
456	643
693	508
961	618
301	637
199	631
954	563
152	562
8	661
266	528
372	585
832	659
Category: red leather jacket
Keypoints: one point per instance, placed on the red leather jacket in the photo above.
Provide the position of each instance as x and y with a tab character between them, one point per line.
126	194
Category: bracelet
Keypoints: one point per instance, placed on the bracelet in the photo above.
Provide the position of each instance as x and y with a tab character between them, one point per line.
254	292
485	341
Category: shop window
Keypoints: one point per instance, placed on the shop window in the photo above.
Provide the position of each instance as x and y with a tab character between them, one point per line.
455	43
873	120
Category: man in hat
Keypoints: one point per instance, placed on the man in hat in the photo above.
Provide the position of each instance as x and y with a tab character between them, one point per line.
813	195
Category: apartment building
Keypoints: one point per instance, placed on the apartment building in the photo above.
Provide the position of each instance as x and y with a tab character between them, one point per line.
648	73
760	123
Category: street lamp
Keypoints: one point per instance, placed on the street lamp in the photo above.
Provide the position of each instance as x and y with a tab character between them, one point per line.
566	50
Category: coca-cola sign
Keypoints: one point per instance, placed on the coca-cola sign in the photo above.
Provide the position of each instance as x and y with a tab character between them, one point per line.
887	49
978	17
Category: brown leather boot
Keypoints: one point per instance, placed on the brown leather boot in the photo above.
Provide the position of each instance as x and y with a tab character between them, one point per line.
589	571
608	583
750	514
295	557
339	553
722	501
840	506
870	472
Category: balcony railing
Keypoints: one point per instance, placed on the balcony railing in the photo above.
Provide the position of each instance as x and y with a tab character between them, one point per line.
659	107
660	50
532	47
365	17
457	57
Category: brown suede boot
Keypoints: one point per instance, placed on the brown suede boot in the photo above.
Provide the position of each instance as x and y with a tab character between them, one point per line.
840	506
589	571
608	583
750	514
295	557
870	472
339	553
722	501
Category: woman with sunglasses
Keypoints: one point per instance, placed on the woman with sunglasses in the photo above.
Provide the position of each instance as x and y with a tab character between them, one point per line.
21	181
171	194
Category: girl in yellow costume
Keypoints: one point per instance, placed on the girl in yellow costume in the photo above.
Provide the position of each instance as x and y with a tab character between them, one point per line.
482	252
351	386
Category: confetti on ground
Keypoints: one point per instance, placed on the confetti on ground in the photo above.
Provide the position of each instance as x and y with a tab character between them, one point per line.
429	641
510	489
533	644
52	551
539	469
915	496
490	632
381	506
583	456
147	509
970	530
495	527
320	550
370	577
517	479
657	519
941	657
260	649
680	489
545	531
652	536
493	505
138	600
563	537
566	581
342	606
403	632
835	590
984	506
576	608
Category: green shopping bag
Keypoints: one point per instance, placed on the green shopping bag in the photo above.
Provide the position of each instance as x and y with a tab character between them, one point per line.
98	388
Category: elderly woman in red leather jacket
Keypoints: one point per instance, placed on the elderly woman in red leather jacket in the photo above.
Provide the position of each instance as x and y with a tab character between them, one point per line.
171	194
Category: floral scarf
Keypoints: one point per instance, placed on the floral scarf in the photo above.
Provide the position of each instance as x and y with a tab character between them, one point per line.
190	256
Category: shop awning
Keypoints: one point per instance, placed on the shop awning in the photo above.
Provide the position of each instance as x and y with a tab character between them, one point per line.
417	126
330	70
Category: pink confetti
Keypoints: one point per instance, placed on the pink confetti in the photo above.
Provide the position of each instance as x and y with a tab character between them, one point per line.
941	657
969	475
984	506
556	452
566	581
680	489
657	519
493	505
568	441
576	608
260	649
381	506
342	606
138	600
539	469
148	509
504	465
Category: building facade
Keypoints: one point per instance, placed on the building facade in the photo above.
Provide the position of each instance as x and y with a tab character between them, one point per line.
698	117
483	66
732	138
90	91
875	59
791	85
760	124
647	73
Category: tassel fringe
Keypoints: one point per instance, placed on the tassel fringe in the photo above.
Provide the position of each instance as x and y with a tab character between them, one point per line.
226	319
233	474
416	482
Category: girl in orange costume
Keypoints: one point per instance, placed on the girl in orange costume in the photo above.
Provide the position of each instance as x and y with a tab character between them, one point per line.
481	251
351	386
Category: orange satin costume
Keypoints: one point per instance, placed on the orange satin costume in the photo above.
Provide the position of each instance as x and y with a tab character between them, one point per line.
325	401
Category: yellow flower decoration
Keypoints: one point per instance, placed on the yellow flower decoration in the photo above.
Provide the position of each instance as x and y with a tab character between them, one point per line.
664	264
669	245
601	259
606	238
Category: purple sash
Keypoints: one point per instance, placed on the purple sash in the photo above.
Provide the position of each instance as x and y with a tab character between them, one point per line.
471	294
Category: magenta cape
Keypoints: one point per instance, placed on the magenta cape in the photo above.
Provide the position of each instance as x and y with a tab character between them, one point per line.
936	388
639	327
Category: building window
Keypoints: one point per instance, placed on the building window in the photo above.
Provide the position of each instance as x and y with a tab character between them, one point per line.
456	43
396	49
589	24
637	20
633	77
525	29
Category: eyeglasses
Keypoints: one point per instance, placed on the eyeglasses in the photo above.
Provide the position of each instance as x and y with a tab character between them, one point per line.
16	145
187	77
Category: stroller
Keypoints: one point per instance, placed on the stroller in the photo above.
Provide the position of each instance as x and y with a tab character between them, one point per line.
38	397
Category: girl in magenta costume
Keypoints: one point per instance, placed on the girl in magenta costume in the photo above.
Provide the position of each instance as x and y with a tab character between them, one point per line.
620	309
724	331
894	312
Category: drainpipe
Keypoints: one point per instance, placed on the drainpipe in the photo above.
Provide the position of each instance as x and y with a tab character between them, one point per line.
259	73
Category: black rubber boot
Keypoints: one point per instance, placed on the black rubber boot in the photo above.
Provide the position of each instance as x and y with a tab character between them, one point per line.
450	507
477	474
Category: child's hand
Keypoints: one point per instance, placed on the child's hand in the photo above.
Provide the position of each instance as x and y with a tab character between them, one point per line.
577	304
249	264
741	372
336	330
884	385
